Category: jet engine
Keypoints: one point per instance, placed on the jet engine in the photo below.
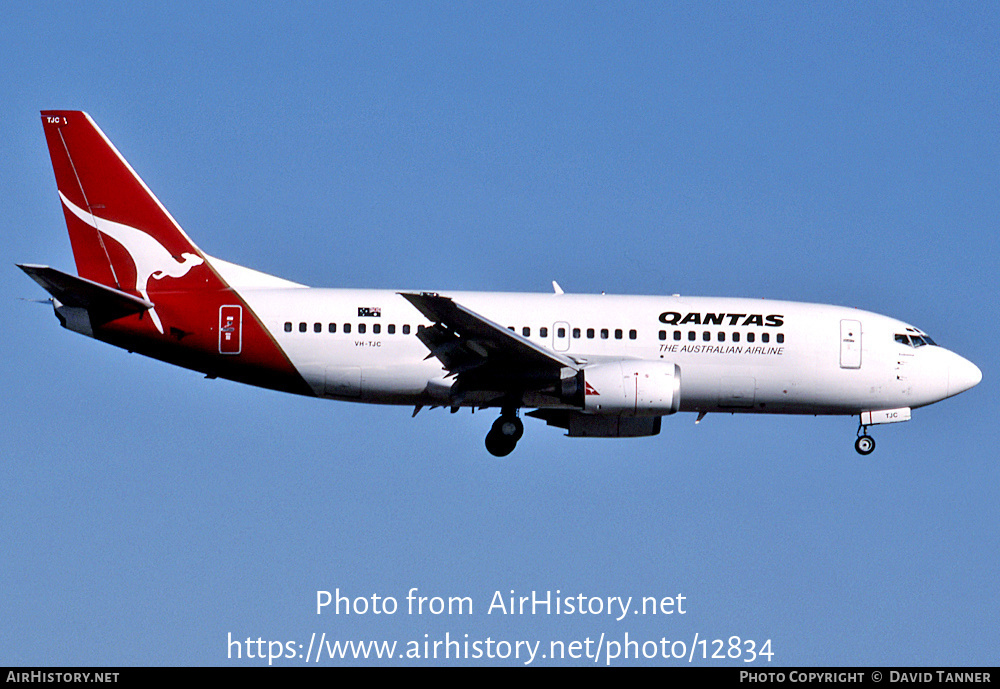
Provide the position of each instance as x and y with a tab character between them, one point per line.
626	388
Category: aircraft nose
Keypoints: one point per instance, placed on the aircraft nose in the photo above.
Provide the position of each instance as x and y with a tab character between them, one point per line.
962	375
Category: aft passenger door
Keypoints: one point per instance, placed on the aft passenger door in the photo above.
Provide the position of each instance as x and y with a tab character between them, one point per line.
230	329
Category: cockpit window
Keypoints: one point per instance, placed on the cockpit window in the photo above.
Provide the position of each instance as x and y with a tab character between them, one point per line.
914	340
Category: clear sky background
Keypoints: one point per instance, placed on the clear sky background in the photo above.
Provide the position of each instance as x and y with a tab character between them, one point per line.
825	152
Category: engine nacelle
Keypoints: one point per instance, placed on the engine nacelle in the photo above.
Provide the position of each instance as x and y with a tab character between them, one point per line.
632	388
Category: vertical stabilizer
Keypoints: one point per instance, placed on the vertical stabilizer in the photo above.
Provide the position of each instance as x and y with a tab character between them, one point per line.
144	285
121	234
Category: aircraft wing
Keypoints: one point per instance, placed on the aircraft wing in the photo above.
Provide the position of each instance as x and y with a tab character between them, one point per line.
484	354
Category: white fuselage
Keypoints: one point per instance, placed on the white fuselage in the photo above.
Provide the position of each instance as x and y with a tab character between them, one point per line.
735	355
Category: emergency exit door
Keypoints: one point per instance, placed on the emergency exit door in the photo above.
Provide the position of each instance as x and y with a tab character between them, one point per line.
560	336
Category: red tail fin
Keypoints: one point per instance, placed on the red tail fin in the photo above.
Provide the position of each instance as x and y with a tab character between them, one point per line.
125	241
122	236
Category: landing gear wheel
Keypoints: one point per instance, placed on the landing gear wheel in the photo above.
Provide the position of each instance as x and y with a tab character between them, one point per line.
503	437
509	427
865	445
499	446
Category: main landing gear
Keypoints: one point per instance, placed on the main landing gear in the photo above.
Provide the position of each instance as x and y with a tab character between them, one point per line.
506	431
865	444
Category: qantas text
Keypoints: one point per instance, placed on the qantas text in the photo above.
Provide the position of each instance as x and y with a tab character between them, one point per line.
674	318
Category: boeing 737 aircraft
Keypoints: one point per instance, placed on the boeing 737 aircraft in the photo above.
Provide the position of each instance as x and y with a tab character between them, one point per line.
594	365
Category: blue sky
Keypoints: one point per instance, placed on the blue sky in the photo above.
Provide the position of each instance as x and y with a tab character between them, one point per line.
819	152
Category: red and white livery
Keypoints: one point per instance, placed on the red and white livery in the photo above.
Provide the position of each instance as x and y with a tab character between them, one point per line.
595	365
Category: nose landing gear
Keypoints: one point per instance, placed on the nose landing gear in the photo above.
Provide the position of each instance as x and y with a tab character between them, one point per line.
865	444
503	437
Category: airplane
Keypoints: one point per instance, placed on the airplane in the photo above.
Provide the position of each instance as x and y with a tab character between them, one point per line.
606	366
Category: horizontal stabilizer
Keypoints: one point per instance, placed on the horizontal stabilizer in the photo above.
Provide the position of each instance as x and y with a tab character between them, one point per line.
103	303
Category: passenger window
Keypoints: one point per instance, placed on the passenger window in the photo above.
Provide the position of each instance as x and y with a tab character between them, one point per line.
692	336
722	336
632	334
347	327
590	333
576	333
391	329
303	327
781	338
765	337
663	334
406	330
604	333
618	333
561	332
750	337
362	328
736	337
288	326
706	336
376	328
317	327
677	335
333	327
544	332
526	331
